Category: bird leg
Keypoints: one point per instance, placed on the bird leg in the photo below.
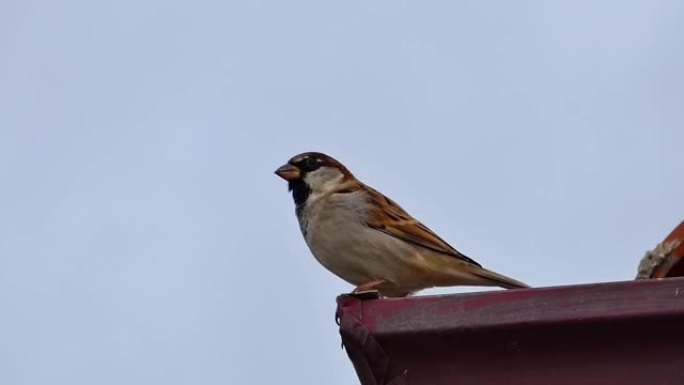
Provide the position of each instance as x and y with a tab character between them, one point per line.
369	286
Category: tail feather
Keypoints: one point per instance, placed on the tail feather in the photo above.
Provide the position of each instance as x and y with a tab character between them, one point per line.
496	279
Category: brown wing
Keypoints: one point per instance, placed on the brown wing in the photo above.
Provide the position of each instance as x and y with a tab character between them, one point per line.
390	218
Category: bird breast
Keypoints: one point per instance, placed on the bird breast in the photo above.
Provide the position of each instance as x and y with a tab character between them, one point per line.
336	231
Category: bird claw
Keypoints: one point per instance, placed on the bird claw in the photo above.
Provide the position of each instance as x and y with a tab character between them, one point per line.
365	294
367	290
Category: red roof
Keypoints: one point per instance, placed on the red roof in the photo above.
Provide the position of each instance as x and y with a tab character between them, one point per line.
609	333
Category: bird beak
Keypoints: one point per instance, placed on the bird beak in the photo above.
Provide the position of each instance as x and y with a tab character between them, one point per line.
288	172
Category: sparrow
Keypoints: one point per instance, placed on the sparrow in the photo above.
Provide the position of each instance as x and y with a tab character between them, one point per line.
368	240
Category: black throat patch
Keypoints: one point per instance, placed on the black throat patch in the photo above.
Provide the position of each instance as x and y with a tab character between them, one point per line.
300	193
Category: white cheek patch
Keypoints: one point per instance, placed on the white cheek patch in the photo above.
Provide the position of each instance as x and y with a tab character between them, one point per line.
323	180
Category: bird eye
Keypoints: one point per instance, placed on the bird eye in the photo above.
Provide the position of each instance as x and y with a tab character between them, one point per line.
309	164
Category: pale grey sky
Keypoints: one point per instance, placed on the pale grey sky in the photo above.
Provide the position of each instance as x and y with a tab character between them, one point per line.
145	240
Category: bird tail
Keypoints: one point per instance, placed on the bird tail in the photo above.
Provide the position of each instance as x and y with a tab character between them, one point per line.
495	279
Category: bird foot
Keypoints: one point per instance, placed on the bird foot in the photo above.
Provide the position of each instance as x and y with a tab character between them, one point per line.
367	290
366	294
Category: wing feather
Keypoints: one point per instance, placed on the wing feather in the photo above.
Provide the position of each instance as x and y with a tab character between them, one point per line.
391	219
